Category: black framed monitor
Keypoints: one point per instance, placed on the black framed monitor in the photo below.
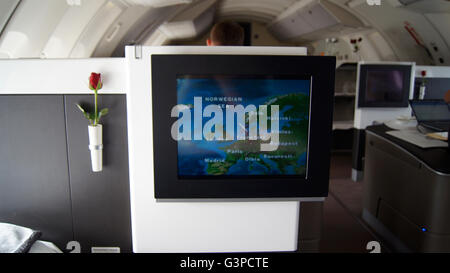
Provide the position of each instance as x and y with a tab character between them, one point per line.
234	126
384	84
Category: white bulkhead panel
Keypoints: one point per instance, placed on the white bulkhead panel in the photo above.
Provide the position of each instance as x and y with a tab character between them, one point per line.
95	30
70	28
30	28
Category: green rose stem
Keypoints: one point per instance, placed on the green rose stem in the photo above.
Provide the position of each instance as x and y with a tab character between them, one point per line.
96	117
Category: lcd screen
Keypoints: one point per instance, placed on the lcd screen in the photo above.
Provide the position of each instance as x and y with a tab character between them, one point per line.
384	86
242	125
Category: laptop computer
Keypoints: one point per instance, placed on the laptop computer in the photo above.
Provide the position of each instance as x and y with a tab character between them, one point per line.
432	114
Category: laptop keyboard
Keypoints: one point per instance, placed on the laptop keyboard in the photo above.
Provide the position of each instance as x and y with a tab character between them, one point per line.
442	125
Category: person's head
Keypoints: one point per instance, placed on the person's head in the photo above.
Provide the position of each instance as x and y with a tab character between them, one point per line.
226	34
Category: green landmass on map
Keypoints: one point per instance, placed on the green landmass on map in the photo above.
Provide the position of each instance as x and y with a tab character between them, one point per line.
297	108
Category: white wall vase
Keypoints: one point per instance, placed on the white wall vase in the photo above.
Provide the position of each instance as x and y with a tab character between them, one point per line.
96	147
422	91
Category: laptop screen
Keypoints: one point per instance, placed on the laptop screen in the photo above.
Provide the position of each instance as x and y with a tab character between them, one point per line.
434	110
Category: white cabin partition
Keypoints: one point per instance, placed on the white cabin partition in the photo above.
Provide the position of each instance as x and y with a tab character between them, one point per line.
367	116
61	76
46	179
196	226
181	225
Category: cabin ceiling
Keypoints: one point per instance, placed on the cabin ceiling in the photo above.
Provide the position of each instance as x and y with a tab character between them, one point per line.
7	8
101	28
263	11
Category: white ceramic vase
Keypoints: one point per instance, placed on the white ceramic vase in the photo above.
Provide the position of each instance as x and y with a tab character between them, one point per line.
96	147
422	91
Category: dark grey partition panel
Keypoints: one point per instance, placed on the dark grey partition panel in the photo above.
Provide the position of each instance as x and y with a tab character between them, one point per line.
435	87
101	205
34	185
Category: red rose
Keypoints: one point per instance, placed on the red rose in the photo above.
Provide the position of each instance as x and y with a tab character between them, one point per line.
95	81
353	41
424	73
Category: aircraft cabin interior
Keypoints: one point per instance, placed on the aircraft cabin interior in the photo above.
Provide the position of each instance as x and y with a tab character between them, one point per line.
141	126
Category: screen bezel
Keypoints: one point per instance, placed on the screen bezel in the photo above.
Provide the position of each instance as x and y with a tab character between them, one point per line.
168	185
365	68
263	77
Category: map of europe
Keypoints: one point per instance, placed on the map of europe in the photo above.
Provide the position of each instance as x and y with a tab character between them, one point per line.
244	157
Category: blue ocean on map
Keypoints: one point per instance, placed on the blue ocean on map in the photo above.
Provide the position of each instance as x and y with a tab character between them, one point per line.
202	157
